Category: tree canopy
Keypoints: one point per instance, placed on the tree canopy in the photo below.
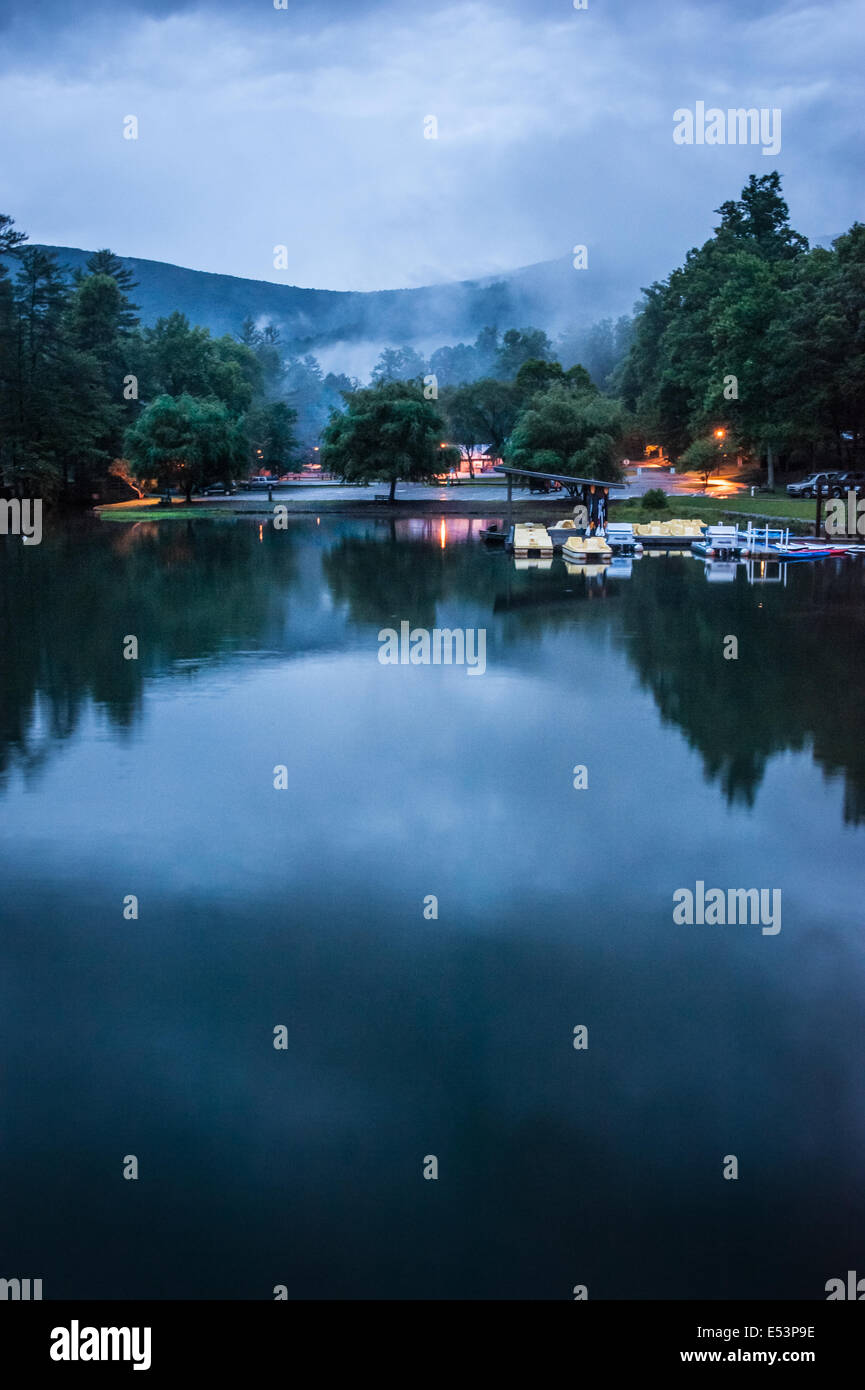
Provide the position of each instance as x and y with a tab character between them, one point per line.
759	330
387	432
185	443
756	332
567	429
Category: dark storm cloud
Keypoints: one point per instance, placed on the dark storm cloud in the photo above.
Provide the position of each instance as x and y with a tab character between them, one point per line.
304	128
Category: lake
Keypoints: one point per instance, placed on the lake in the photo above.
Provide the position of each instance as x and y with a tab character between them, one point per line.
416	1029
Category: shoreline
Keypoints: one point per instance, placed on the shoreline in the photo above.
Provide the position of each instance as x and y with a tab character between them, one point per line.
409	507
545	509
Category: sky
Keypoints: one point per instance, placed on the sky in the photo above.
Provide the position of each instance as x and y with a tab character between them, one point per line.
304	127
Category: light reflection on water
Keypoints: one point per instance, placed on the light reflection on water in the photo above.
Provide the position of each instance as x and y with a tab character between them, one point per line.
410	1036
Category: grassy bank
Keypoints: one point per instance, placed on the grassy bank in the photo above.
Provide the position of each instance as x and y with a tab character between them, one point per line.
762	508
546	509
140	511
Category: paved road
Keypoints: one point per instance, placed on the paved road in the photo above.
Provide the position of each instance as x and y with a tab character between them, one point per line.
488	492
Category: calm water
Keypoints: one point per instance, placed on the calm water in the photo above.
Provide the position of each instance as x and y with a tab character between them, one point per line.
410	1037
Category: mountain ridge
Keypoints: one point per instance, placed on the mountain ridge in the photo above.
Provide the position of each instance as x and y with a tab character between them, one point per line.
548	294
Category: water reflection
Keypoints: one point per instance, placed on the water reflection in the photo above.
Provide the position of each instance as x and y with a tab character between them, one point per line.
408	1035
189	592
204	591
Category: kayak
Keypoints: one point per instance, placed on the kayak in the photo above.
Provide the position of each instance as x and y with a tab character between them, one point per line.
809	552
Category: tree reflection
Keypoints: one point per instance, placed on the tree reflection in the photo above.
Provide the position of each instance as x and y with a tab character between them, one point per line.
202	591
190	592
797	680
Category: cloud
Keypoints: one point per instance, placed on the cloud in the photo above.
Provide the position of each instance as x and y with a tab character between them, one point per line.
304	128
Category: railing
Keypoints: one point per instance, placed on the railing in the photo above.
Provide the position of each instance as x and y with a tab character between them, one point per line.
767	536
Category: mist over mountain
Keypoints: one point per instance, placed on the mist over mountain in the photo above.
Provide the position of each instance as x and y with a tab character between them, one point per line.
551	295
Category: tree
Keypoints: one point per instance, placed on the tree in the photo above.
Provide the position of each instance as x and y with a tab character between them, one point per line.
388	432
465	424
270	430
38	432
398	364
577	430
58	417
519	346
234	374
185	443
335	387
304	389
453	366
101	325
711	331
120	468
817	352
183	360
536	374
178	357
759	220
496	406
11	242
486	347
106	263
264	343
743	311
704	456
601	348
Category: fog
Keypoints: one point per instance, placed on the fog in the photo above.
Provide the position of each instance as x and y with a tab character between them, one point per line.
305	128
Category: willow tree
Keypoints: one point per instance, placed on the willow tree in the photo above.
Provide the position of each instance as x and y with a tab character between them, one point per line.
186	443
388	433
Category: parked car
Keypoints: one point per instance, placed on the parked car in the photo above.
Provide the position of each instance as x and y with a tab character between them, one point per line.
848	482
225	488
808	486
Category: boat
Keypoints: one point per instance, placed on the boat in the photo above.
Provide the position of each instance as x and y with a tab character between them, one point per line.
530	538
493	535
795	551
775	544
560	531
718	541
622	538
581	548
